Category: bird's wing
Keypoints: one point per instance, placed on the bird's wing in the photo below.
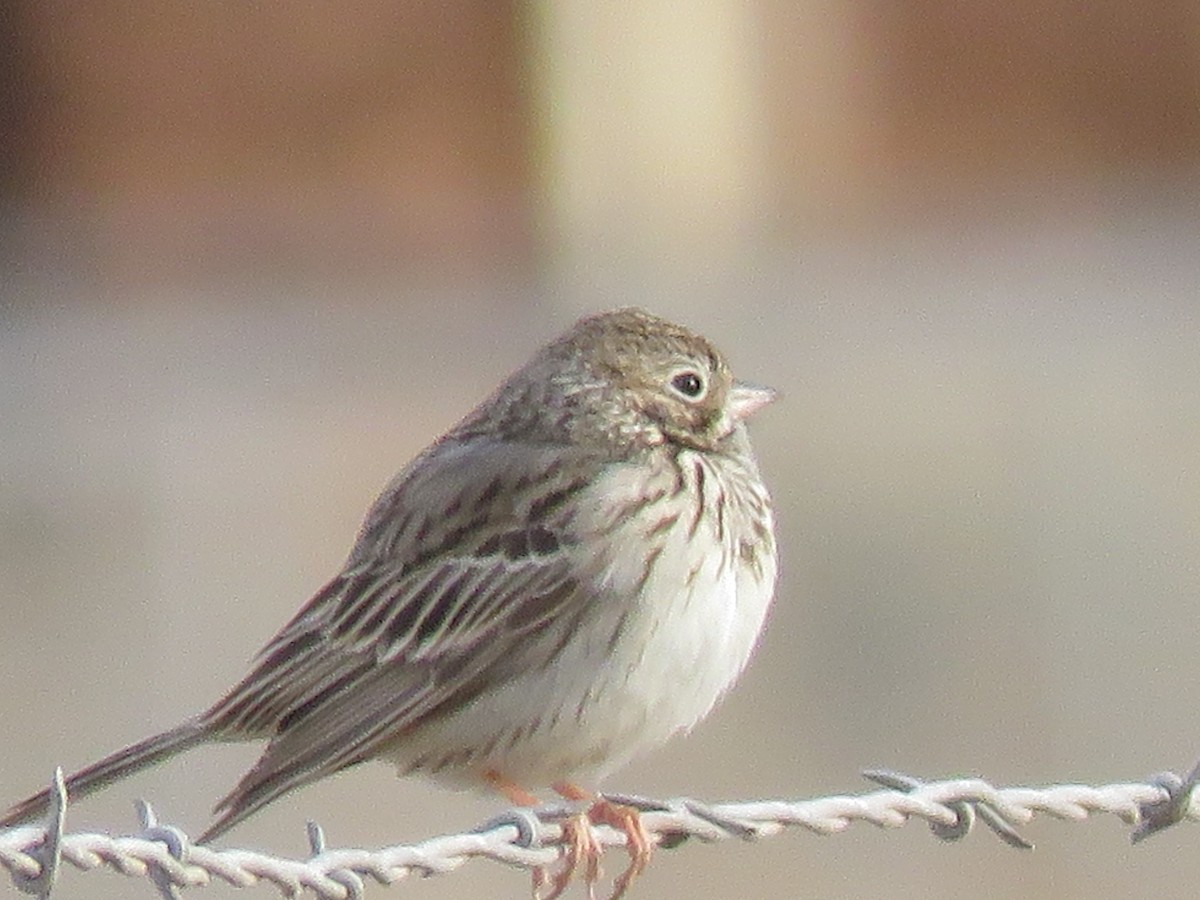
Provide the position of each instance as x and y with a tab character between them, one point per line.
469	554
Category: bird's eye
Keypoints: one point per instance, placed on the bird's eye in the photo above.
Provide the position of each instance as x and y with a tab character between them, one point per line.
688	383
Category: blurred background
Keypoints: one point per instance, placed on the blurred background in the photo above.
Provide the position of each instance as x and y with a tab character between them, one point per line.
255	256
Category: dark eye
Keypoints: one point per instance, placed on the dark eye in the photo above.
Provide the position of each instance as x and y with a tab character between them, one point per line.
688	383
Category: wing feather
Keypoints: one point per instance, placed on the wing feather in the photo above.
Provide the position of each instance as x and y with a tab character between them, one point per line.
426	615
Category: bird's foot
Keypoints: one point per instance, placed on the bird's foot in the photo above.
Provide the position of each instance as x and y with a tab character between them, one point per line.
582	856
583	849
628	821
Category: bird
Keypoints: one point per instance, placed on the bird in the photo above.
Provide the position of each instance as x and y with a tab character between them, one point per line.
574	573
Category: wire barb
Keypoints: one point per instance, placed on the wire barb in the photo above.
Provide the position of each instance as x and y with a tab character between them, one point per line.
1172	808
46	852
531	838
175	841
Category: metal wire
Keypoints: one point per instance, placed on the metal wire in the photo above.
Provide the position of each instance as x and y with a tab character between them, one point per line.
531	838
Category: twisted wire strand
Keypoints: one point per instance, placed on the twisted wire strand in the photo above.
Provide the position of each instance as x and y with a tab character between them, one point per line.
33	854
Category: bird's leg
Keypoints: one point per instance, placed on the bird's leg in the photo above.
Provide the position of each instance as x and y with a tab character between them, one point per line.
602	811
582	848
520	797
512	791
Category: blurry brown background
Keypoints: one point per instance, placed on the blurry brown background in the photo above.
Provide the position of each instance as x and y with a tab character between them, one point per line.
255	256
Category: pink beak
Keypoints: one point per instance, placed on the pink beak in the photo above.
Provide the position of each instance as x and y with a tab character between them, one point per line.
747	399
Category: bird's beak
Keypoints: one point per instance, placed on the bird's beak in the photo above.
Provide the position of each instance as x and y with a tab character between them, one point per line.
747	399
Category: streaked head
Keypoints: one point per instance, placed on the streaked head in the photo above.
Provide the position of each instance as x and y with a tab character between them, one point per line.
631	380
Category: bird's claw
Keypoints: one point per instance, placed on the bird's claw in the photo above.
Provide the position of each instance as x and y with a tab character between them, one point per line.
583	850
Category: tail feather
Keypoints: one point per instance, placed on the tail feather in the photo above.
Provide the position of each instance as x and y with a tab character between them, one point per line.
244	801
260	786
112	768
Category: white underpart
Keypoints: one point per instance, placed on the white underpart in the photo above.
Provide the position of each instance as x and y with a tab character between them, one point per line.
681	648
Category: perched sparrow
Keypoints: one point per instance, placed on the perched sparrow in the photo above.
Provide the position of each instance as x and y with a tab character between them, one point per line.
574	573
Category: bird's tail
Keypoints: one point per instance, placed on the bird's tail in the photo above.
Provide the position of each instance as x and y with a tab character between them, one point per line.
112	768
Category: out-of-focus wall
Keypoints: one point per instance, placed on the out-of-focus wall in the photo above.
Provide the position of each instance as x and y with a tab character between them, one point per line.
176	142
180	142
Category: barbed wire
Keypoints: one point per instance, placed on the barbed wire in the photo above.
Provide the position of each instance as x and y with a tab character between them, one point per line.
532	838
